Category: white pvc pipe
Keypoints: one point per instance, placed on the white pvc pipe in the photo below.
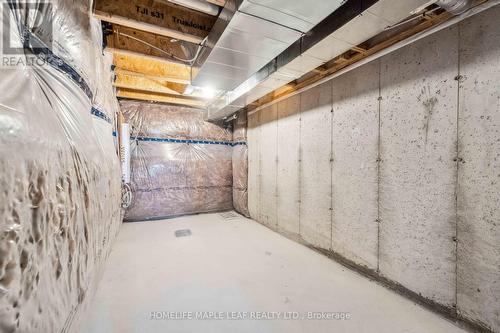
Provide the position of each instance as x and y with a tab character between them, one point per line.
199	5
125	152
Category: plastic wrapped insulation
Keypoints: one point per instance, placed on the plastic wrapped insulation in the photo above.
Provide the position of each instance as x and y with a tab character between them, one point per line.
59	175
180	164
105	98
240	164
75	36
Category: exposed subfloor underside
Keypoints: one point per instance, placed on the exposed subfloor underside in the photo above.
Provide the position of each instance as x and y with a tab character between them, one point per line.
237	265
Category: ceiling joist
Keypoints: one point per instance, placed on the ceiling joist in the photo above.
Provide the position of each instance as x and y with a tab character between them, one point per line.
220	3
130	81
149	44
160	97
161	18
153	44
151	67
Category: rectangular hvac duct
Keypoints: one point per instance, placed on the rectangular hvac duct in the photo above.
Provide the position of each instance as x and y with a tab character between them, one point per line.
249	34
353	23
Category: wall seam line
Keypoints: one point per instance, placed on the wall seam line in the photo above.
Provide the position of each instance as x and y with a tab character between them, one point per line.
260	166
379	161
457	168
300	161
276	193
331	166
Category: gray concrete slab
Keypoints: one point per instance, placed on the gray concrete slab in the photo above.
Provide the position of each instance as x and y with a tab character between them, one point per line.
418	172
315	172
288	165
355	167
479	170
238	265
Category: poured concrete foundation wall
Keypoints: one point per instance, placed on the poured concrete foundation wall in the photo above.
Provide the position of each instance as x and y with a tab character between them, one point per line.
394	166
417	180
478	191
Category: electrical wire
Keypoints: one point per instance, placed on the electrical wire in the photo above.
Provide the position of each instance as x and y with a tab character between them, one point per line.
126	195
419	16
189	61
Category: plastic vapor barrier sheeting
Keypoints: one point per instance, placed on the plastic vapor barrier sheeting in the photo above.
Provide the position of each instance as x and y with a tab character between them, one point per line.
59	172
180	164
240	165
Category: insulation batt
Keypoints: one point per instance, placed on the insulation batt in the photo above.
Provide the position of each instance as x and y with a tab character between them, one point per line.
176	178
59	176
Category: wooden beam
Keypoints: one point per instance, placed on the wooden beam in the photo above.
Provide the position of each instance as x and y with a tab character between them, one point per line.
160	78
148	66
177	87
129	81
359	49
130	53
319	70
158	97
161	18
146	43
220	3
137	81
341	59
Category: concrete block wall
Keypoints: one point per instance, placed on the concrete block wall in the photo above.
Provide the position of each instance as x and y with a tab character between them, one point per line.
395	167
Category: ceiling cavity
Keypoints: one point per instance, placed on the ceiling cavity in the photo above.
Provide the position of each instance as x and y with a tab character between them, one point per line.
353	23
250	33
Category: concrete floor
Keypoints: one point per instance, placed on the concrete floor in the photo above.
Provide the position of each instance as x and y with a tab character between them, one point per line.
238	265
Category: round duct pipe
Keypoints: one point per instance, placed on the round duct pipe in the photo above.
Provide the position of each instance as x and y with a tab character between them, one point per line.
455	7
199	5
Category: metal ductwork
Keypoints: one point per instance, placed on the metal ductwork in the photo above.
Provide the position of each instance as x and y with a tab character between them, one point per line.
199	5
455	7
250	33
350	25
353	23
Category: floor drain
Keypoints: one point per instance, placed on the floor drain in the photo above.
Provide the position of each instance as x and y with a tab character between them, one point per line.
229	216
182	233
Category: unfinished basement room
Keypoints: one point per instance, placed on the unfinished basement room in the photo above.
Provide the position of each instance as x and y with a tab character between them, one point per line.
250	166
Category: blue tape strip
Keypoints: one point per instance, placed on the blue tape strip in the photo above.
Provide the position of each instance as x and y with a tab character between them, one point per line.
202	142
37	47
187	141
59	64
99	114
